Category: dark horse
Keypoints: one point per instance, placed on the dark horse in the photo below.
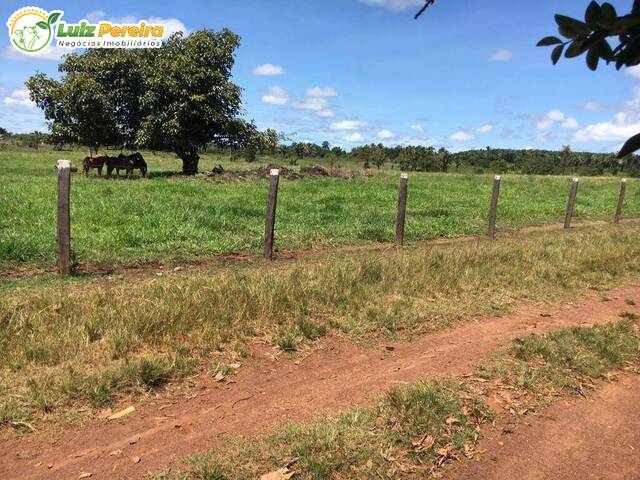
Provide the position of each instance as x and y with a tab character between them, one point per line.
96	162
128	163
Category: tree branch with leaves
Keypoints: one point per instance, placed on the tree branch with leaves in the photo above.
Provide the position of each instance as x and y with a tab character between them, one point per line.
591	37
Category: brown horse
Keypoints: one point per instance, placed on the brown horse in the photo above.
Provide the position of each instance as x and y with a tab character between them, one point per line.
139	163
96	162
128	163
121	162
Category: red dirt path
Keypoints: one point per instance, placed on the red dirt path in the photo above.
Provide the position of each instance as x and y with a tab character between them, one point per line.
586	438
267	391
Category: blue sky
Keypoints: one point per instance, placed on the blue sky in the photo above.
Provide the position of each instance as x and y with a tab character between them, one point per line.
466	75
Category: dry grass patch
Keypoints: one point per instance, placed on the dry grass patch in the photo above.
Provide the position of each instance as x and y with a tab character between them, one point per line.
67	346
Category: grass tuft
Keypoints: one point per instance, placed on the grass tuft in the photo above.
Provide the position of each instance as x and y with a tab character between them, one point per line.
388	439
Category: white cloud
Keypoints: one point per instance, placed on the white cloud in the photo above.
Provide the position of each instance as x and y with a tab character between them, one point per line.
396	5
417	142
461	136
95	16
268	69
320	92
171	25
570	123
486	128
48	53
550	136
276	96
19	98
623	126
348	125
634	71
503	55
416	127
386	134
314	103
353	138
328	113
546	121
593	107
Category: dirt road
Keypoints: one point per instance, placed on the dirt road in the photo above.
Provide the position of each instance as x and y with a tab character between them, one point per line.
267	391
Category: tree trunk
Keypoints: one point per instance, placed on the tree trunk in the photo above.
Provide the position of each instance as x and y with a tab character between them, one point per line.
190	160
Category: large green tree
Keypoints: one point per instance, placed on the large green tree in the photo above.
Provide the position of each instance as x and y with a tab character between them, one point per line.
189	97
178	97
79	108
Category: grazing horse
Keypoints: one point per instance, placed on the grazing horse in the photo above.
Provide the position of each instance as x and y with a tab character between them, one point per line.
138	162
121	162
96	162
128	163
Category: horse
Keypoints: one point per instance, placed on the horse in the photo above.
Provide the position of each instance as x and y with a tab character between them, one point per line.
96	162
128	163
121	162
139	163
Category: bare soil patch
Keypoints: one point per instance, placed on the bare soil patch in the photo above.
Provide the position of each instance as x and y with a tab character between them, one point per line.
586	438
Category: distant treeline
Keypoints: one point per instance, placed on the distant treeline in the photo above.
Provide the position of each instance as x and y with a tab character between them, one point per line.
416	158
489	160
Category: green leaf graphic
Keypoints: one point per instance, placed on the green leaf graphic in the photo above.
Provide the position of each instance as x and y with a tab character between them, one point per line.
43	25
53	18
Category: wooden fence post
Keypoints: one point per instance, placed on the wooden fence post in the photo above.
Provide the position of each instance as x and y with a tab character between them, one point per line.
570	203
402	208
269	227
623	187
63	239
493	209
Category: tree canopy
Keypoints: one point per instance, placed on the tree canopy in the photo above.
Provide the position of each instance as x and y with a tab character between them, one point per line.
178	97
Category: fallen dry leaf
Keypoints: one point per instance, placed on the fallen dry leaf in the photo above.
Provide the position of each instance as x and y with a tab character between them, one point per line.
425	443
121	413
281	474
85	475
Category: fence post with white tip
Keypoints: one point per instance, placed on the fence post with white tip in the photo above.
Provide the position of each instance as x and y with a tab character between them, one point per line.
571	202
269	227
63	230
402	208
623	187
493	208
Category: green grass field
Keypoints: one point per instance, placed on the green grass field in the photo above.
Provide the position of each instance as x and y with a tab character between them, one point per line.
169	217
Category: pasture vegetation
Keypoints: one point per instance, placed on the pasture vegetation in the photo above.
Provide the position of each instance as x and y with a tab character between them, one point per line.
171	218
89	342
414	429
